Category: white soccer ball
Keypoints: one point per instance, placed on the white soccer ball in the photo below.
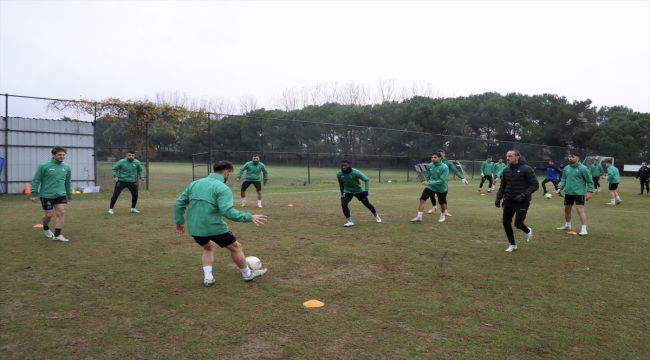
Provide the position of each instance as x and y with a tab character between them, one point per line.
254	263
548	196
389	181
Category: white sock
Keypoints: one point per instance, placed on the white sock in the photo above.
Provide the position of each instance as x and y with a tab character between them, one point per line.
612	201
435	207
584	227
245	272
207	271
442	216
618	198
259	202
419	214
243	200
568	224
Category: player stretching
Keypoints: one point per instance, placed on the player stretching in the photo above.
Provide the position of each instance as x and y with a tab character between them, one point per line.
575	177
54	179
436	182
452	168
253	169
349	184
209	199
124	175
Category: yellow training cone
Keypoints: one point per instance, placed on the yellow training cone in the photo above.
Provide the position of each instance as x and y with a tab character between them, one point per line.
38	225
572	233
313	304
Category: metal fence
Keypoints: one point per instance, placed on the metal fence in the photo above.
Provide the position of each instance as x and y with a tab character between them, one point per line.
202	137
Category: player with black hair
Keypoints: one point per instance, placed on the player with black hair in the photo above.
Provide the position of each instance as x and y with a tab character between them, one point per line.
349	178
125	174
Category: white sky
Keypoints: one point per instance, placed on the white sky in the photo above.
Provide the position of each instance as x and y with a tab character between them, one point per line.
207	49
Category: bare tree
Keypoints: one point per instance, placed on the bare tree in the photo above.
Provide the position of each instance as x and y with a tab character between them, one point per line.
247	103
386	90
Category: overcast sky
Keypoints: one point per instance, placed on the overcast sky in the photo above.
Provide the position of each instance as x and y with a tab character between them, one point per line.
598	50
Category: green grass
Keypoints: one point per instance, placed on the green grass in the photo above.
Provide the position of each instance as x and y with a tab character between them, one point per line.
127	286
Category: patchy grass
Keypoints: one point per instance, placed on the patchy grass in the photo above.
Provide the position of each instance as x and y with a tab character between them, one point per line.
127	286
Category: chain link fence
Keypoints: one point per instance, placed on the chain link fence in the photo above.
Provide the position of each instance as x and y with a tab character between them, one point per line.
197	138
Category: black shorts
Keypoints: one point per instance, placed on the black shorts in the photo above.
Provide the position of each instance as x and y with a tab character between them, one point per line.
48	204
571	199
246	184
428	193
222	240
613	186
347	197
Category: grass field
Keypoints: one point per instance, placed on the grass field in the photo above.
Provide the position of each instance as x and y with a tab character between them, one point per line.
127	286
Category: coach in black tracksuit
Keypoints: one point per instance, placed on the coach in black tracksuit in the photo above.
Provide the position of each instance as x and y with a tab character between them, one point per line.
644	177
518	183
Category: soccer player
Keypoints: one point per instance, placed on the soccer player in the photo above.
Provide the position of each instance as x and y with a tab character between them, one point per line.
487	170
348	178
518	183
644	178
552	175
54	179
596	172
125	174
253	169
437	177
498	170
209	199
575	178
452	168
613	178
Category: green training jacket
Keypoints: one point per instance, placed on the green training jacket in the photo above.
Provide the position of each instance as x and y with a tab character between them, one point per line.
208	199
349	183
438	177
487	168
574	179
452	167
596	170
253	171
53	179
125	170
613	176
498	168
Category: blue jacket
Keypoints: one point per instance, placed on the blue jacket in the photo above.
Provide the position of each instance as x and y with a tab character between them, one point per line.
552	172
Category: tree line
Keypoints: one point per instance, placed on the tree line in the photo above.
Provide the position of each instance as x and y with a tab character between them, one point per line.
173	126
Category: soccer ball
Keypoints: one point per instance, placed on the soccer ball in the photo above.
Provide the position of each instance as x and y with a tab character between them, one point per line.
254	263
548	196
389	181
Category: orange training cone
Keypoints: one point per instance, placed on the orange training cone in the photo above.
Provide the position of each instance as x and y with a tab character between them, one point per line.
313	304
28	189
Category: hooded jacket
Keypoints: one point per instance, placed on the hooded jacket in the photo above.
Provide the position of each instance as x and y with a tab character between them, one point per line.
518	179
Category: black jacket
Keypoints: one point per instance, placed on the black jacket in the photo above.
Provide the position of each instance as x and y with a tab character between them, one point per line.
516	180
643	173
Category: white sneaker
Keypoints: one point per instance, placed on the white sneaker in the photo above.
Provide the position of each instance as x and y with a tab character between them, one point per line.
511	248
618	201
259	206
243	204
207	282
442	218
348	224
529	236
60	238
378	219
49	234
135	211
110	211
416	219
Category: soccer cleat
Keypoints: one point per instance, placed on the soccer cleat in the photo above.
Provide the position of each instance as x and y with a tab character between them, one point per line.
529	236
447	214
378	219
60	238
442	218
563	228
49	234
254	274
110	211
478	191
416	219
135	211
348	224
243	204
618	201
610	203
207	282
433	209
259	206
511	248
489	190
582	233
